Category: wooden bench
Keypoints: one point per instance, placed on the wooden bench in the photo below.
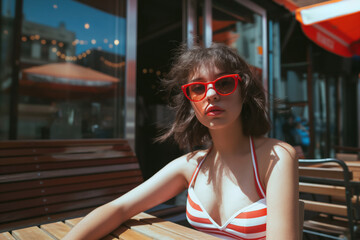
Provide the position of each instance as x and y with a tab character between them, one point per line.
46	181
327	194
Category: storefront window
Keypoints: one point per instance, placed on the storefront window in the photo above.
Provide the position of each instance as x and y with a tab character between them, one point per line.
6	46
72	70
291	122
240	27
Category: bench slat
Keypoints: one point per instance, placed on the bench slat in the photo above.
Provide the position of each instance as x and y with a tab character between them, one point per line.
72	222
32	184
151	231
121	185
60	203
321	172
6	236
335	191
66	172
64	157
56	229
129	234
31	233
43	219
64	165
14	144
323	207
31	151
170	226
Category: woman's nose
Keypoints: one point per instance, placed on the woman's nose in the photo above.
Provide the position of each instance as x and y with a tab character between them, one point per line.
210	92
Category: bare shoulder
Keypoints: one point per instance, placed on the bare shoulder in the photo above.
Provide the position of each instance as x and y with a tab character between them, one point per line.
277	148
283	149
275	154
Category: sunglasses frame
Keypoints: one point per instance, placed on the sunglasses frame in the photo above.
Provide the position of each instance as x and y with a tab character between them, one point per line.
234	76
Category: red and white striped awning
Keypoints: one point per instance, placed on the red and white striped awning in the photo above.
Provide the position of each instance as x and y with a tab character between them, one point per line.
333	25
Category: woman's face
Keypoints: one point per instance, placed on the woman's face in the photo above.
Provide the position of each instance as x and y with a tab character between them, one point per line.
216	111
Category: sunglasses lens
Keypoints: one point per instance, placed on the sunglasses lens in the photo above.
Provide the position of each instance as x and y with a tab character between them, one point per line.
196	91
225	85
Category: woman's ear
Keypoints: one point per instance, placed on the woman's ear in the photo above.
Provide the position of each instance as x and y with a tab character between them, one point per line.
244	82
244	77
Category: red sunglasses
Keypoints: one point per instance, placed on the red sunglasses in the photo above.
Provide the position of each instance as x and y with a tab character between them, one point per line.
224	85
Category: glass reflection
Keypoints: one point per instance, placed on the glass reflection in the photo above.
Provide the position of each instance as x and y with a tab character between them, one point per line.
72	69
239	27
6	45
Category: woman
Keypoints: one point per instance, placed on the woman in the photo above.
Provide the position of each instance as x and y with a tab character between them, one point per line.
243	185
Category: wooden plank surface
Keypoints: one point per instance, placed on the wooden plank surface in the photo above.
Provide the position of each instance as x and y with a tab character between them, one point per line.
323	207
331	190
353	166
16	186
56	229
66	172
186	233
6	236
72	222
143	226
14	144
151	230
31	233
125	233
320	172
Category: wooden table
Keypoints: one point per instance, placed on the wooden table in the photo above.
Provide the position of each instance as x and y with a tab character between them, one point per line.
142	226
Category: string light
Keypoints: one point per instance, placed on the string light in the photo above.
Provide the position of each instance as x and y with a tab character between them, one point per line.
112	64
81	55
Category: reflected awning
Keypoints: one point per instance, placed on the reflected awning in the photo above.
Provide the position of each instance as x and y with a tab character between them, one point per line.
333	25
65	79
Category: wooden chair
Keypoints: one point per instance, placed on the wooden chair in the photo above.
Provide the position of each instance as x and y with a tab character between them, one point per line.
326	193
46	181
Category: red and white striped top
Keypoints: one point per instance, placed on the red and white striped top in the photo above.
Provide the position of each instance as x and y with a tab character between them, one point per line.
247	223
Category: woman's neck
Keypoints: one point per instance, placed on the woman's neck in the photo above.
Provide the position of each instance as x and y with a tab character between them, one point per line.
230	141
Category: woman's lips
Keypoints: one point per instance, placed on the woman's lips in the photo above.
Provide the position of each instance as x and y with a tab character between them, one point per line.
214	111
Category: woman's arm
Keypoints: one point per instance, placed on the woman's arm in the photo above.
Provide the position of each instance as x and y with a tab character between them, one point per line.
167	183
282	195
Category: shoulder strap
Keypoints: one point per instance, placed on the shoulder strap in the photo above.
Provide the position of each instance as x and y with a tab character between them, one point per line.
259	187
197	170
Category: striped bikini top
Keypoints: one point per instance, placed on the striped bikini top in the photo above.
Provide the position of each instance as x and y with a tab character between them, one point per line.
247	223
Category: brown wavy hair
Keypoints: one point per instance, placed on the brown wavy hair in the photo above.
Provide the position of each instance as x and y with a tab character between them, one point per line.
186	130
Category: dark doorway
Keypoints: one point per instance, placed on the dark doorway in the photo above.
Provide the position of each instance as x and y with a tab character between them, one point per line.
159	33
